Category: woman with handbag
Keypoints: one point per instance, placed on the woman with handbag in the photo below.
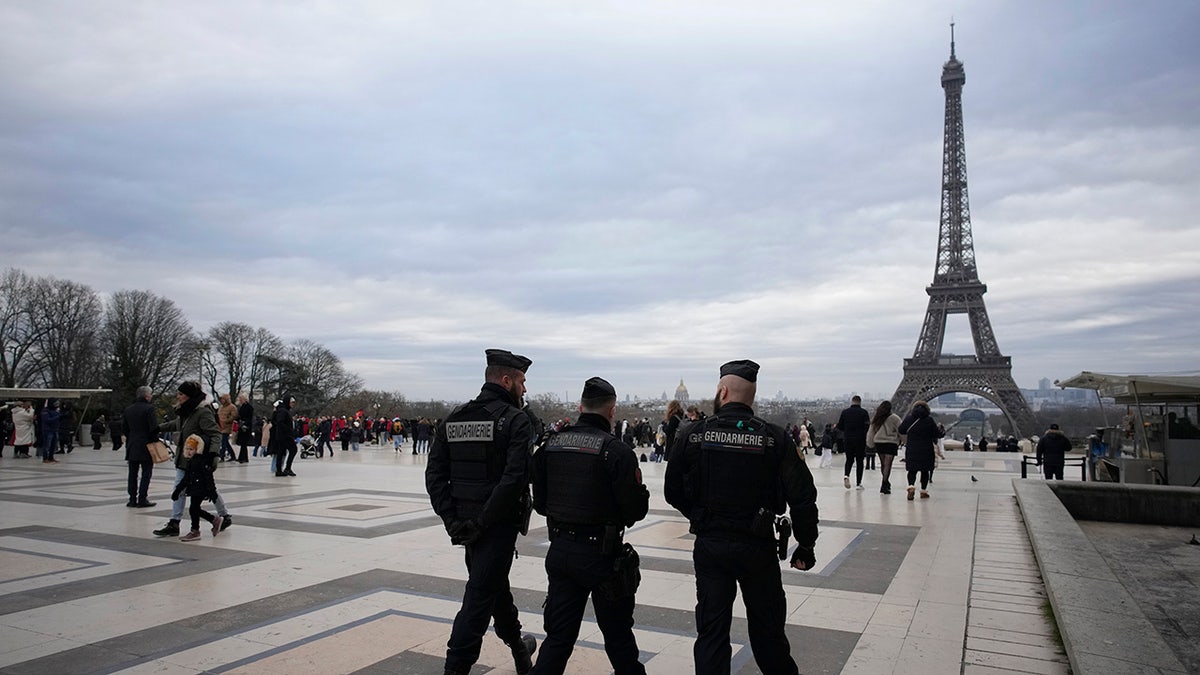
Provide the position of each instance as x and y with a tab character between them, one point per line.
141	429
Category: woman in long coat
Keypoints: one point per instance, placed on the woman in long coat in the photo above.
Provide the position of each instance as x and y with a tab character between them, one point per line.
922	434
24	420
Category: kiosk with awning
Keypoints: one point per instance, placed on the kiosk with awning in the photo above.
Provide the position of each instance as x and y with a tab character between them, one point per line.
1159	440
11	394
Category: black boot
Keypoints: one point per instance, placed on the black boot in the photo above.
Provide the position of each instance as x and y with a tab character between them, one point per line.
171	529
523	653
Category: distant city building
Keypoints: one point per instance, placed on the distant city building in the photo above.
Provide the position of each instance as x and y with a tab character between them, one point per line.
681	392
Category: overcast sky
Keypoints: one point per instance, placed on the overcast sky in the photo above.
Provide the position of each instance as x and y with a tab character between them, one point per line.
637	190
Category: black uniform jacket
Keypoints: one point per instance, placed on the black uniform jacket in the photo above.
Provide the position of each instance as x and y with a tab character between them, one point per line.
621	464
514	442
795	479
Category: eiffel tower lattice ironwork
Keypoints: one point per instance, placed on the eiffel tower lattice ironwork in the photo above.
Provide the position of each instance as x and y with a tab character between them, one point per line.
956	289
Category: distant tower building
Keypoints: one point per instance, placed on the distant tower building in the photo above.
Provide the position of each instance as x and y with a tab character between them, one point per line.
1044	384
681	394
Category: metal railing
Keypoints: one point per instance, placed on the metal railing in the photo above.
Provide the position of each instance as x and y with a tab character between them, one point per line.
1031	460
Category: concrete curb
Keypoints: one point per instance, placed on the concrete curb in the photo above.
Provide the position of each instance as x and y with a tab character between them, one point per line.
1102	627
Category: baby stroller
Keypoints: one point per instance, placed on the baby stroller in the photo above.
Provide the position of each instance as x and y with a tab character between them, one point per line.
308	446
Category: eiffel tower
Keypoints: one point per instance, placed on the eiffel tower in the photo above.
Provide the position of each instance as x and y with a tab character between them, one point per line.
956	289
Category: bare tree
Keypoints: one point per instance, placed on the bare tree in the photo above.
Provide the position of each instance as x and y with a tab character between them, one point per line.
264	347
148	340
232	345
66	317
324	370
18	334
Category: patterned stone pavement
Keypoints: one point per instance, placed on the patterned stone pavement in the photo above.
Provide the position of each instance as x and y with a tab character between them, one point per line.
344	569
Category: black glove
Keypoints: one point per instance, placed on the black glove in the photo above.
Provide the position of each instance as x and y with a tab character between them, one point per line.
463	532
804	558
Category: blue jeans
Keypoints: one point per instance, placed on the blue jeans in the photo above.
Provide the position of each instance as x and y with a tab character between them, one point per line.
178	505
49	444
227	448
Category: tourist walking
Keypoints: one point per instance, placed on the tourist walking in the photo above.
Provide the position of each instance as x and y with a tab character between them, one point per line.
477	478
588	485
828	439
673	418
199	420
141	425
193	419
226	414
730	475
921	434
283	436
852	424
883	438
1052	448
245	427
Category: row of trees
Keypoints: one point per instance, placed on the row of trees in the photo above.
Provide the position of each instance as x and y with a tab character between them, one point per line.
61	334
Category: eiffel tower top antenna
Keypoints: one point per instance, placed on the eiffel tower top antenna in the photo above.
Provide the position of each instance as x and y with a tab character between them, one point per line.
951	38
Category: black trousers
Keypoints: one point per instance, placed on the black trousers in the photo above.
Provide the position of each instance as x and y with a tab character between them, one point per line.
576	569
196	512
855	454
1052	467
139	488
723	563
487	598
283	467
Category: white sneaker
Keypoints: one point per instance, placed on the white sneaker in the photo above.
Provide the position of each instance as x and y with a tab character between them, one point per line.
858	487
846	481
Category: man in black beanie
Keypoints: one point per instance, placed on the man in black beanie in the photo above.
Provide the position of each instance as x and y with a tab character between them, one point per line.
588	485
477	477
731	475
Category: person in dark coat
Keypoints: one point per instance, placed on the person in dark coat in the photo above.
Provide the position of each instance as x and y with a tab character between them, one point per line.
141	424
99	428
66	429
1051	451
853	424
116	431
49	425
283	436
922	434
245	433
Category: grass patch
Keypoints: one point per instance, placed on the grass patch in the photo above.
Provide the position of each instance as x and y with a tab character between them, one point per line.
1048	612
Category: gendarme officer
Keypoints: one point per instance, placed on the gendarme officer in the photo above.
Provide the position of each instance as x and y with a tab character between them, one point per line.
588	485
478	482
731	475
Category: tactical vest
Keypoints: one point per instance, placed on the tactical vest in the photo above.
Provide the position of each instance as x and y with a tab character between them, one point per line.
736	478
578	490
475	464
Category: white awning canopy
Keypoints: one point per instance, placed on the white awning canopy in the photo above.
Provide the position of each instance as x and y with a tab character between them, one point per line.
22	393
1133	389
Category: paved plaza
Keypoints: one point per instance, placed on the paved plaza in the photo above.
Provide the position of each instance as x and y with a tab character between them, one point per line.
345	569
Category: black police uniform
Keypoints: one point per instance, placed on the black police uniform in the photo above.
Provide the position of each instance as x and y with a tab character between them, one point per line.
729	475
478	481
588	485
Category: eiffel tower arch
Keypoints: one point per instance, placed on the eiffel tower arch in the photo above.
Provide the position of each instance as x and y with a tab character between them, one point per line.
956	289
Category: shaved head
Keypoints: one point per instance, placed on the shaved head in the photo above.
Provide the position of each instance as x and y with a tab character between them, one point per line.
732	388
